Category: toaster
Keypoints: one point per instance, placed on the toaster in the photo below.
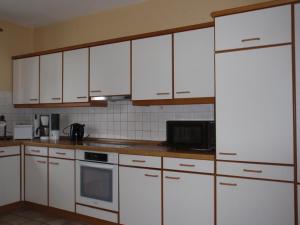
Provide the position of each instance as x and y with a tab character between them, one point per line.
23	132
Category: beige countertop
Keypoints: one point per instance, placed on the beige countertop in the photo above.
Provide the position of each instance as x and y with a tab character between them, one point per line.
147	148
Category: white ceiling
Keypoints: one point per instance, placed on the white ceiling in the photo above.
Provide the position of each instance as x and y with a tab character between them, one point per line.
35	13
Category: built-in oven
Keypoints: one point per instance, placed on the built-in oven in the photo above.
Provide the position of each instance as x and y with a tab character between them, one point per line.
97	179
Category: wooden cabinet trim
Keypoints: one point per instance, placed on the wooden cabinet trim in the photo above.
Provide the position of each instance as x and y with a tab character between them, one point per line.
178	101
253	7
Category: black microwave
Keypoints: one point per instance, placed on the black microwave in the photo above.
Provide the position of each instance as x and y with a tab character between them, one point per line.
192	135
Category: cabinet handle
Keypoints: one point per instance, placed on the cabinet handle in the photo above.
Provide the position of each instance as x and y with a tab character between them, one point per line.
252	171
138	161
33	99
2	151
56	98
35	151
163	93
228	184
95	91
54	163
227	153
43	162
150	175
60	153
251	39
172	178
187	165
183	92
81	97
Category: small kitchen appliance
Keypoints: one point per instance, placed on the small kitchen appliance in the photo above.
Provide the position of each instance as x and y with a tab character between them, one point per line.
36	126
54	134
23	132
77	132
44	127
191	135
3	127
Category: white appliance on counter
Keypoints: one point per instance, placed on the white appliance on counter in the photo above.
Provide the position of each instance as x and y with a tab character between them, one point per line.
23	132
97	179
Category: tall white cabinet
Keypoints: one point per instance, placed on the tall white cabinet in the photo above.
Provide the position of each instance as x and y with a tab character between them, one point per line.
26	80
51	78
110	69
194	63
254	110
254	117
152	68
76	75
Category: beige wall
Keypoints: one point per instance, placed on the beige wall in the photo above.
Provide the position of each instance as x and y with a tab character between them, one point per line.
14	40
150	15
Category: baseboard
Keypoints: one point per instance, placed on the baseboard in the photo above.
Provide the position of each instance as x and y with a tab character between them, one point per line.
66	214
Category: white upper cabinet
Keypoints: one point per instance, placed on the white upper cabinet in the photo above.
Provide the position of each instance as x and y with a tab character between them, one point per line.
194	63
255	28
254	105
76	75
152	68
110	69
26	81
51	78
297	30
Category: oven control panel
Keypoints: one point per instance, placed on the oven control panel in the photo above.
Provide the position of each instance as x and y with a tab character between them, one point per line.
94	156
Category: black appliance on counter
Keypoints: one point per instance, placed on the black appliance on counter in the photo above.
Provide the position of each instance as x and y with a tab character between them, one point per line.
191	135
76	132
3	128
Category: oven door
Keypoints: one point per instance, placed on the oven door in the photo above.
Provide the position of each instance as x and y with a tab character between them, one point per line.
97	185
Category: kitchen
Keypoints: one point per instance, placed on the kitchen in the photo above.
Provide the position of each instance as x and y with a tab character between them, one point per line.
186	126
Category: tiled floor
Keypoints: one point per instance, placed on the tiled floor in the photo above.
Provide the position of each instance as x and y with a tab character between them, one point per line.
31	217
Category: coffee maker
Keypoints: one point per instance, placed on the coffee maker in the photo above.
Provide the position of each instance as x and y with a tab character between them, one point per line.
44	127
54	133
3	127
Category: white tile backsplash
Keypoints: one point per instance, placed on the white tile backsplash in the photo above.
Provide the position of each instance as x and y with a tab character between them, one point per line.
118	120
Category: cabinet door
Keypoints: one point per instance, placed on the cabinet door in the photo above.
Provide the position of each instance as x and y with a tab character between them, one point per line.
194	63
254	105
36	180
76	75
62	184
26	81
297	39
140	196
51	78
152	68
10	180
254	201
110	69
255	28
188	199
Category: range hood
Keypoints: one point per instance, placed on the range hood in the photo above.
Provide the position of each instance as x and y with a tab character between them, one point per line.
114	98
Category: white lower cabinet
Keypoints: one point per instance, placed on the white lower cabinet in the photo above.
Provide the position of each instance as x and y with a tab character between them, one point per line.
246	201
62	184
10	180
140	196
36	180
188	199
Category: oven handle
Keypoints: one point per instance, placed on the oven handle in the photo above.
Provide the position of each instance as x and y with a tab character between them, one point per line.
96	165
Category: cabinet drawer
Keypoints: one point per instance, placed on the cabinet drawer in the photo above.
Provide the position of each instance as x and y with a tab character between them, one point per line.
202	166
33	150
7	151
255	28
62	153
272	172
140	161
